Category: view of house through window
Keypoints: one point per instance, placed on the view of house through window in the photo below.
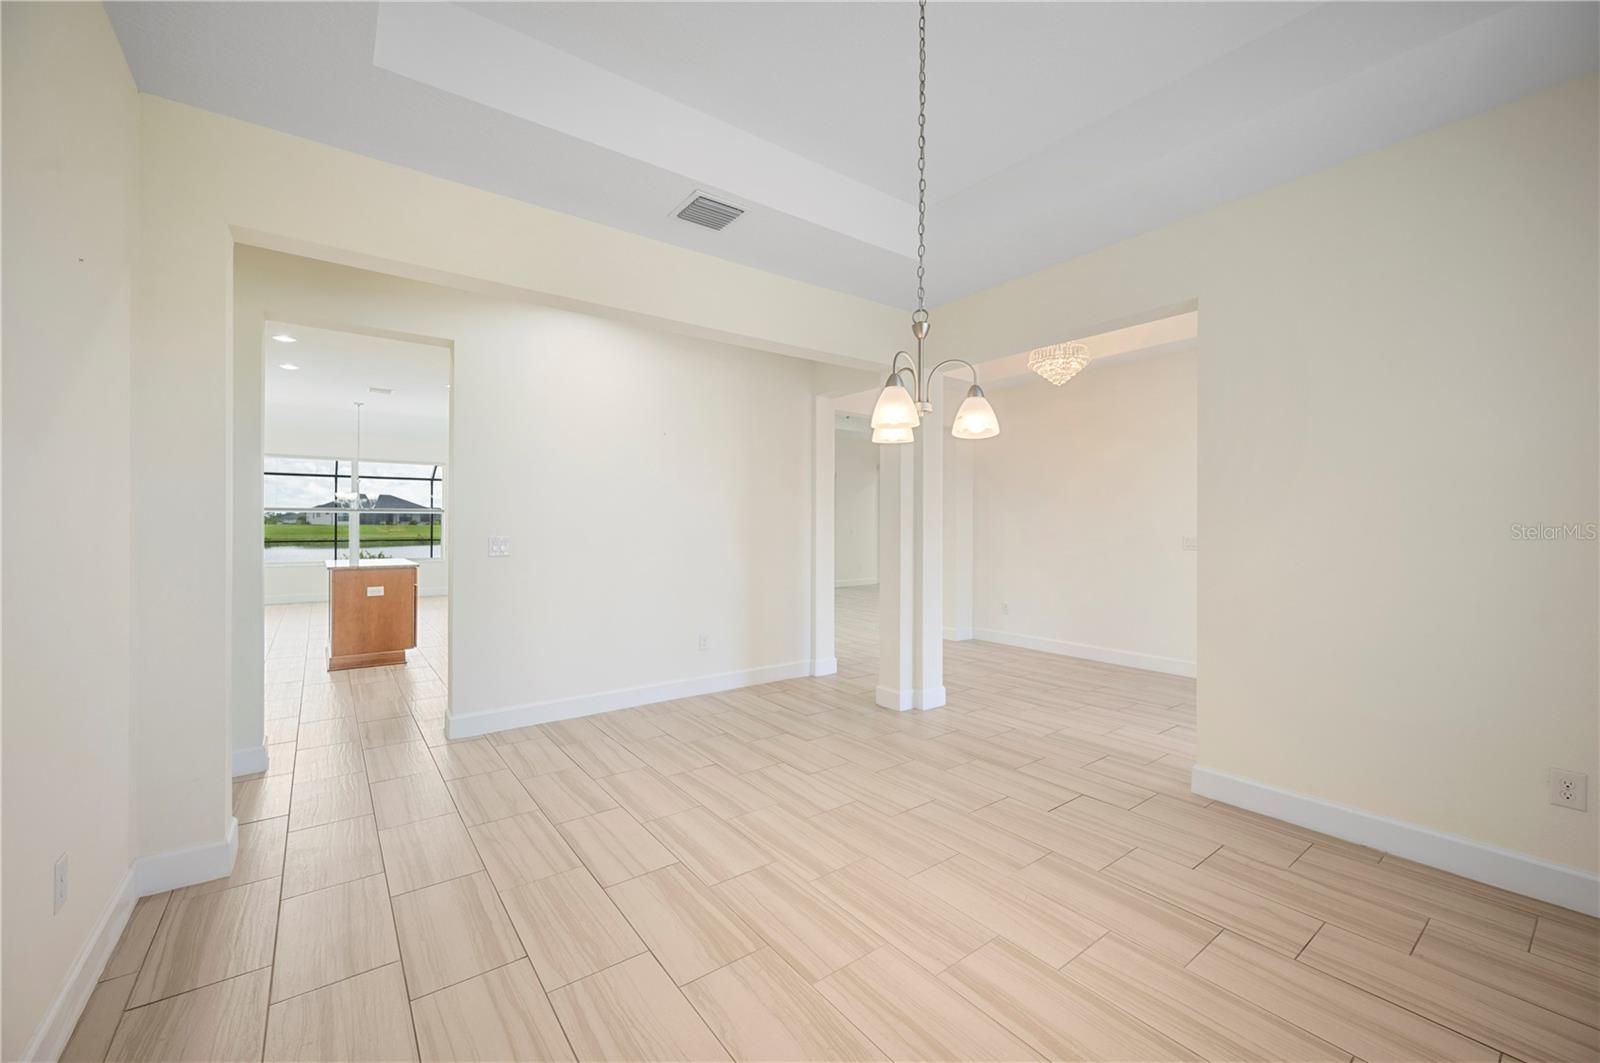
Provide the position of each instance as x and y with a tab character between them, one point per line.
402	515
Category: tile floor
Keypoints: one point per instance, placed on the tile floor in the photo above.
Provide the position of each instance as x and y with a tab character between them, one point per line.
786	872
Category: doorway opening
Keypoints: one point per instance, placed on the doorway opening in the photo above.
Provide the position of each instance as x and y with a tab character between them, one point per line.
1072	533
855	543
355	449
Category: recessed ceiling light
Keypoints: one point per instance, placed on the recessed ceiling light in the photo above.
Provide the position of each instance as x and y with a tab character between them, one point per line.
284	337
288	366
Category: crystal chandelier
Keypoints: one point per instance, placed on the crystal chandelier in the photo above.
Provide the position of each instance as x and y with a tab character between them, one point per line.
1059	362
900	409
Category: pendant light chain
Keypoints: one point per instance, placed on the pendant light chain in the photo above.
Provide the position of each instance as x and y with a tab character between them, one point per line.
922	145
902	404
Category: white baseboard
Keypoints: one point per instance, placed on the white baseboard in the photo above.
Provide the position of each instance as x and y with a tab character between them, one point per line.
186	867
958	634
1105	655
898	700
909	698
55	1029
825	666
1518	872
251	761
487	721
870	581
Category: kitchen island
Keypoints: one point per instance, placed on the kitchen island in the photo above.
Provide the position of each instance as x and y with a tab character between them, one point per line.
372	612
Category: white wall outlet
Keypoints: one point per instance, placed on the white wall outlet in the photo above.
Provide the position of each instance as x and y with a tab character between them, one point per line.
374	592
59	882
499	546
1569	789
1005	608
1191	542
705	643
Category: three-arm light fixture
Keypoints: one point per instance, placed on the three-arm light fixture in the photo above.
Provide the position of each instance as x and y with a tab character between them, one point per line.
900	409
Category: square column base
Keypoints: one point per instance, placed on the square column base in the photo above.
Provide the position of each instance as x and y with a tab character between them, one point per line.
905	700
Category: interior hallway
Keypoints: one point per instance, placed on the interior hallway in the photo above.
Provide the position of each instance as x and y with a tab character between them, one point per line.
787	872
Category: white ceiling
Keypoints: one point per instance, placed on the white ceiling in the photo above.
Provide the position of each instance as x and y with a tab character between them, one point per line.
1053	128
336	369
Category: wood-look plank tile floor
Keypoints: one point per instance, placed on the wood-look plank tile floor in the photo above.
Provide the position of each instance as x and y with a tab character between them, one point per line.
787	872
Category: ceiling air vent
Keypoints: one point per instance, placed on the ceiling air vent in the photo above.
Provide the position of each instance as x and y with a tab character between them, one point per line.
703	210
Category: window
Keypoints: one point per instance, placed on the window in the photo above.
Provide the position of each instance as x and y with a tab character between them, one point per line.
304	522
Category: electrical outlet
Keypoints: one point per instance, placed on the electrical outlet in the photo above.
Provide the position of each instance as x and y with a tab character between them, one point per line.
59	882
705	643
1005	608
1569	789
499	546
1191	542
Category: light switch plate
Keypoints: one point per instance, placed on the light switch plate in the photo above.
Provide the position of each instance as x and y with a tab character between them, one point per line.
499	546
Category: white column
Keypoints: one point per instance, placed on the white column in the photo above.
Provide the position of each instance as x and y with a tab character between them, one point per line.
911	568
896	572
823	659
927	548
958	529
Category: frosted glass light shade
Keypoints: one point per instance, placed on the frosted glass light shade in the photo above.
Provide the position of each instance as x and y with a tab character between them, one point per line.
892	435
975	419
895	408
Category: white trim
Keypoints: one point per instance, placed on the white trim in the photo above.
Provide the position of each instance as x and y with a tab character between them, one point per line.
487	721
186	867
1105	655
50	1037
251	761
1530	876
958	634
898	700
825	666
928	698
870	581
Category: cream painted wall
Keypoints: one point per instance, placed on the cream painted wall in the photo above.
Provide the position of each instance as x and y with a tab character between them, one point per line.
1398	365
1082	504
642	513
207	180
960	457
70	166
855	508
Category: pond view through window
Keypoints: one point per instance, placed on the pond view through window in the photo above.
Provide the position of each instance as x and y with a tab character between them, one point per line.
304	521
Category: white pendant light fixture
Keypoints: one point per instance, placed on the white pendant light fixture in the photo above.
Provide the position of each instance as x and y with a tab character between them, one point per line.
895	408
1059	362
907	394
975	419
353	499
892	435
